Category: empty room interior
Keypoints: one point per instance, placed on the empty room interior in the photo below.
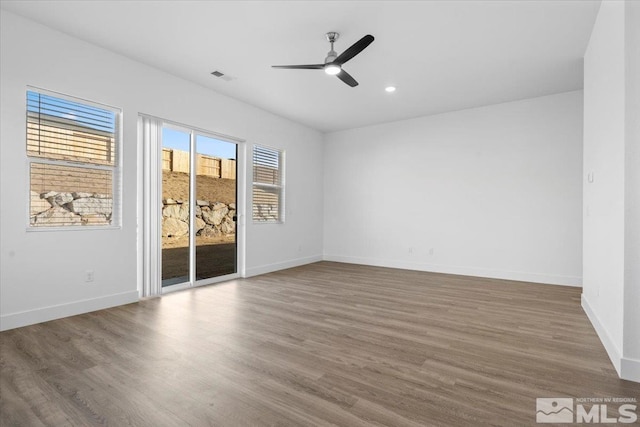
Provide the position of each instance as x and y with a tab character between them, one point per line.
244	213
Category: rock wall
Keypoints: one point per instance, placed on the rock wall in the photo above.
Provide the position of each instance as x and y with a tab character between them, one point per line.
212	218
55	209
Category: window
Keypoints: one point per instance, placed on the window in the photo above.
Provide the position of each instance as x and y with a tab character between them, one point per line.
268	184
72	147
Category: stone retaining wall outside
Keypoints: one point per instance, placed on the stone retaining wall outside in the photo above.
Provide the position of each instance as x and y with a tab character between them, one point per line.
212	218
64	209
57	209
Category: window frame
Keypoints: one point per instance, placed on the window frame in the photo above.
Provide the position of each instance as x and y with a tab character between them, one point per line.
116	169
281	187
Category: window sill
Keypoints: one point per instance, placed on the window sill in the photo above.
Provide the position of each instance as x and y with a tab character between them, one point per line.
76	228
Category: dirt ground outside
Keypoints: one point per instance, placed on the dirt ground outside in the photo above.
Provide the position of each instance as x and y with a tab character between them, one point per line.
211	261
175	185
182	242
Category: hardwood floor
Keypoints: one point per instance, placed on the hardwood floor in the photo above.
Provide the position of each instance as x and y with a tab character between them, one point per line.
322	344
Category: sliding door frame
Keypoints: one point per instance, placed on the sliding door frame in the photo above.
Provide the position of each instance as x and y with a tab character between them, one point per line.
150	259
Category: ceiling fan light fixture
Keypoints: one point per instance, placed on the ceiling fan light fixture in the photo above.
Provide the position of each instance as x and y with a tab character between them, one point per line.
332	69
333	62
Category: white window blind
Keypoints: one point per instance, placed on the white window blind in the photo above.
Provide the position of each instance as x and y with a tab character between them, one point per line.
72	149
268	184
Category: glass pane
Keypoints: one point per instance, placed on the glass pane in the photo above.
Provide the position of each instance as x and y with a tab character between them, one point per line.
267	184
215	207
175	207
70	195
66	130
266	204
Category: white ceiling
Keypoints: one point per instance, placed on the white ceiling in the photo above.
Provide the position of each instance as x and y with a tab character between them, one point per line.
441	55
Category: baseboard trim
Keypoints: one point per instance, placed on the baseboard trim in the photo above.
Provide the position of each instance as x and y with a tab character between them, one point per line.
630	369
269	268
612	350
463	271
45	314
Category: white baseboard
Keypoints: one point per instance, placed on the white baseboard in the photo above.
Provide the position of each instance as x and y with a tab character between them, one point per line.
39	315
464	271
612	350
630	369
268	268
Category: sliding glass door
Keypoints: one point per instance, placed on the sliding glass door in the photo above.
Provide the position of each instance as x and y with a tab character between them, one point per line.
215	206
176	177
199	195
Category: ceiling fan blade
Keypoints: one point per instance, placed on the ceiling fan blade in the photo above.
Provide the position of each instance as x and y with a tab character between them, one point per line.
300	67
355	49
346	77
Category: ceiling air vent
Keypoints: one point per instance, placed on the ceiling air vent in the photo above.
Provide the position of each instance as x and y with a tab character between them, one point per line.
221	75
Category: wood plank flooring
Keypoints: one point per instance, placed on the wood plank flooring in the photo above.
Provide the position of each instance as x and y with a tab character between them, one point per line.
322	344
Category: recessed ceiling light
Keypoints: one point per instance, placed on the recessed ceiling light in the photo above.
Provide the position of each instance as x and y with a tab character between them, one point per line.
390	89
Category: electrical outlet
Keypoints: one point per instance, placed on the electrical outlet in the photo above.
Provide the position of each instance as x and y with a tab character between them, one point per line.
431	251
88	276
410	250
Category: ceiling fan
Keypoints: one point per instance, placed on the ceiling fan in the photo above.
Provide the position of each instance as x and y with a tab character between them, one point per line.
333	62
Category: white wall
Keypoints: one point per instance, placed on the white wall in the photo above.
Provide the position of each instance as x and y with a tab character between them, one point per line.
610	274
41	273
492	191
603	249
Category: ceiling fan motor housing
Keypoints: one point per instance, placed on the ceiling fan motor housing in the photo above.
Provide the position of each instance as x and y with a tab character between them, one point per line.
331	55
